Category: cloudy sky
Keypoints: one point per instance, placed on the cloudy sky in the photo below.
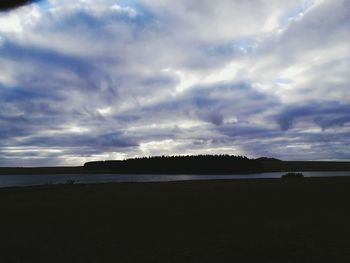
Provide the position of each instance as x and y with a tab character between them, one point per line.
111	79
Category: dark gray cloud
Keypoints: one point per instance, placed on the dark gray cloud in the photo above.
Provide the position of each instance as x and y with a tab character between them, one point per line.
326	114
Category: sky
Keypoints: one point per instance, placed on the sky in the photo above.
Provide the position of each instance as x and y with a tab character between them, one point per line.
112	79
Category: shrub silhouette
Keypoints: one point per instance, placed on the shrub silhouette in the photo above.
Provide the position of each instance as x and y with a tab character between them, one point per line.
293	175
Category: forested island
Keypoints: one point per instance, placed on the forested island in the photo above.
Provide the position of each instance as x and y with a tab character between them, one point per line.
198	164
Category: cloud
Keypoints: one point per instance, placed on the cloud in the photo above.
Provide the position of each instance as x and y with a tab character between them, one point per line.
89	80
327	114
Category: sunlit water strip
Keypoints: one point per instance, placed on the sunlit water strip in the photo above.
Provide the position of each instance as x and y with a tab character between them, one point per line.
52	179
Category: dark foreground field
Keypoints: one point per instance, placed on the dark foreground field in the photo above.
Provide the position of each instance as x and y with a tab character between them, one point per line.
282	221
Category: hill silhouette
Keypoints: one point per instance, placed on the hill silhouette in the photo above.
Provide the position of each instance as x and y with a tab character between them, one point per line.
268	159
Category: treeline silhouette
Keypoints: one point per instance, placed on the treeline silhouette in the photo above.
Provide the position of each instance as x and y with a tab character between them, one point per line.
198	164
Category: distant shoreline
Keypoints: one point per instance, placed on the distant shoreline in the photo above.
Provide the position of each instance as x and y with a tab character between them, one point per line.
266	166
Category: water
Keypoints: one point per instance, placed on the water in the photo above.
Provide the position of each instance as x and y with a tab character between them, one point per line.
46	179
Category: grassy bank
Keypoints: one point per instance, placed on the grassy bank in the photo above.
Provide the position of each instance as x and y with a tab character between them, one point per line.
305	220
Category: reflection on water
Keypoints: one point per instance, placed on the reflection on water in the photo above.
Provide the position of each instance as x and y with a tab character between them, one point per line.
40	179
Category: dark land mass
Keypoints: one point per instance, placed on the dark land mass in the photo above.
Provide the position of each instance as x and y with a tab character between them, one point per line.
10	4
42	170
201	164
271	220
282	166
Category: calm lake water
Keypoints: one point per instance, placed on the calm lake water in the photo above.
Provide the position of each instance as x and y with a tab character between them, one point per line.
42	179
